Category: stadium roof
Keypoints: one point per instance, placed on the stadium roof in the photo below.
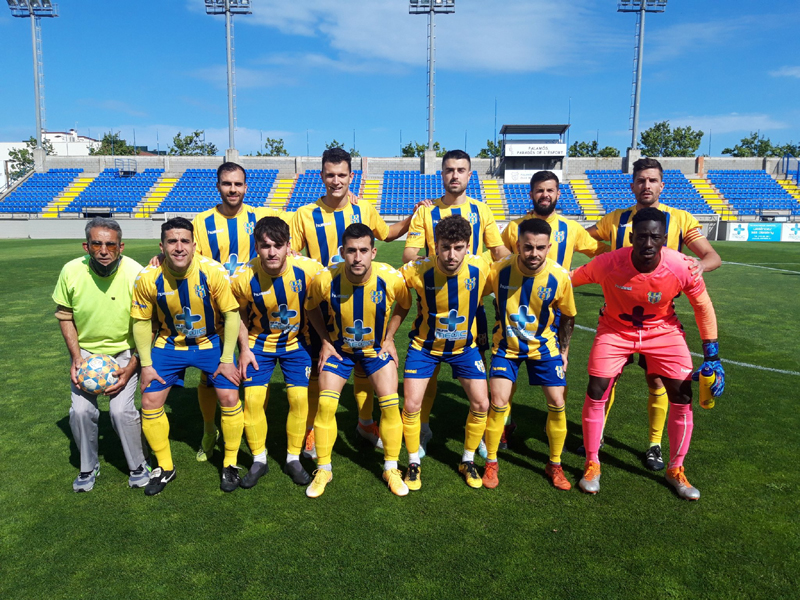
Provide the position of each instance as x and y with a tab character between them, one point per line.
533	129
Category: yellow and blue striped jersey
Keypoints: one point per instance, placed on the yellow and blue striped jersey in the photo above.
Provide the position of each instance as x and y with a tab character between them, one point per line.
566	238
275	305
358	312
485	232
446	306
527	308
682	227
229	240
319	228
188	309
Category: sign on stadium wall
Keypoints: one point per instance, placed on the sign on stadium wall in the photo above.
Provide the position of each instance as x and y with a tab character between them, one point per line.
763	232
529	149
520	176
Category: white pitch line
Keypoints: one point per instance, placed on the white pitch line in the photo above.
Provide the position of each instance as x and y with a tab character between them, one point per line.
725	360
725	262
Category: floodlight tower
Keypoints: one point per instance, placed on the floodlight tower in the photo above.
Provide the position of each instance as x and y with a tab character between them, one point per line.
430	8
640	7
35	10
229	8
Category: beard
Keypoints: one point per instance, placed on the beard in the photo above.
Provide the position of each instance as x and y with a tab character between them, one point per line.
545	212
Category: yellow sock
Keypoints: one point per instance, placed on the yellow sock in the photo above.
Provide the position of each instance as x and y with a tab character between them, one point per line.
255	420
325	425
391	426
155	426
556	429
411	427
510	400
657	404
207	399
476	425
232	423
610	402
430	396
494	429
296	420
313	401
365	395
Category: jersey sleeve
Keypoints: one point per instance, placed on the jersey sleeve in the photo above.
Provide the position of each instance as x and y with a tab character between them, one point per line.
240	287
409	273
586	244
378	225
220	285
143	296
319	289
415	238
199	228
402	295
692	230
298	238
566	298
491	233
604	226
491	277
591	272
62	295
506	236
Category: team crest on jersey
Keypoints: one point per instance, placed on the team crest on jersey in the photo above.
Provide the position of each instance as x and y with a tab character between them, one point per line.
470	283
377	296
654	297
355	218
561	236
473	218
296	286
249	228
200	291
544	293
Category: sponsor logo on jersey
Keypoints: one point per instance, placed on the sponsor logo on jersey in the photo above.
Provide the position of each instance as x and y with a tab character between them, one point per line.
654	297
162	294
433	288
358	331
283	319
452	321
509	287
320	225
184	323
411	371
623	287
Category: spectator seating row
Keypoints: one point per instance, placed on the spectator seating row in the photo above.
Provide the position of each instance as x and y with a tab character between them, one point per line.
196	190
753	192
117	192
404	189
38	191
518	199
309	187
613	189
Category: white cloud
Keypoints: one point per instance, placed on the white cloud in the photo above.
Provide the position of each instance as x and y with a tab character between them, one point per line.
730	123
786	72
117	106
687	38
217	75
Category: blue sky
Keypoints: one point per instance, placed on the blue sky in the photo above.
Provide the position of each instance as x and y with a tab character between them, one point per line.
309	71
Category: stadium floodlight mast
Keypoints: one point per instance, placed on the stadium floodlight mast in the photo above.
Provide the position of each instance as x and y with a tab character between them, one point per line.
35	10
430	8
229	8
640	7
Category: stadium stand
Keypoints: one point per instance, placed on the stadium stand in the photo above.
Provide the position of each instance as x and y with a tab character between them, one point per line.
118	193
403	189
518	199
613	190
38	191
196	190
753	192
309	187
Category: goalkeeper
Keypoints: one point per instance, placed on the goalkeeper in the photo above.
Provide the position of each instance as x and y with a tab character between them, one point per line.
639	284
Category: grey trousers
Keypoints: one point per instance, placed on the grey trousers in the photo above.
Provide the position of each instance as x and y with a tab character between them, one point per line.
84	415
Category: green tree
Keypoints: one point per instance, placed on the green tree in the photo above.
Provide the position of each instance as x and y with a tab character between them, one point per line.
112	143
608	152
492	150
418	150
662	140
758	145
21	159
192	144
337	144
589	149
274	147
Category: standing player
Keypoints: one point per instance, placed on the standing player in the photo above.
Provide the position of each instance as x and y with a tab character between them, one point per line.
187	296
682	228
449	288
532	292
93	298
271	290
358	295
456	173
639	284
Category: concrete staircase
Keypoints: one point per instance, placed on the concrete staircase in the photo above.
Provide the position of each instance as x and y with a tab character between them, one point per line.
281	192
52	210
155	197
713	198
493	197
587	199
791	187
371	190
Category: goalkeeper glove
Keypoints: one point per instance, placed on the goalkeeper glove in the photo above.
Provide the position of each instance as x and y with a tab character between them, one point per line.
711	360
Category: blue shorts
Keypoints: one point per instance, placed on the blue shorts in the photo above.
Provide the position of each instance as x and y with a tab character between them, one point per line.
344	367
296	367
420	364
171	365
549	372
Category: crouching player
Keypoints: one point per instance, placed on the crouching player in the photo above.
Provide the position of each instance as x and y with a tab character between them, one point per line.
449	289
530	289
271	290
639	284
187	296
357	295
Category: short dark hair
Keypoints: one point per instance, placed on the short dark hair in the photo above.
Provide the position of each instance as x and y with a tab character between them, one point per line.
336	156
647	163
650	213
456	155
540	176
274	228
176	223
454	228
534	226
227	167
356	231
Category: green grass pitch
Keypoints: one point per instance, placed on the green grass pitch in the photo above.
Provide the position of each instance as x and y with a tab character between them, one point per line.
635	539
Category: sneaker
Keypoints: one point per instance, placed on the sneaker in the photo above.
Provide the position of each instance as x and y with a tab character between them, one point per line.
257	470
230	478
470	473
581	450
159	478
139	477
371	433
84	482
207	444
482	451
395	481
424	438
590	482
653	459
322	477
490	475
677	479
556	475
310	450
508	431
296	471
412	478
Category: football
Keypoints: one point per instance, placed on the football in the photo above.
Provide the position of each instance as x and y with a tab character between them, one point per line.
96	373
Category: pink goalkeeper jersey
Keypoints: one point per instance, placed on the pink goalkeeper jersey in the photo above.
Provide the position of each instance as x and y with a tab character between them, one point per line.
637	300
